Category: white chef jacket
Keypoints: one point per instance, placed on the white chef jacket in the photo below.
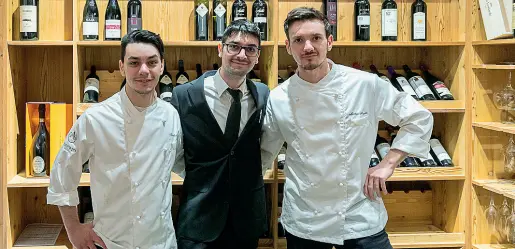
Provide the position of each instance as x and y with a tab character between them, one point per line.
331	128
131	154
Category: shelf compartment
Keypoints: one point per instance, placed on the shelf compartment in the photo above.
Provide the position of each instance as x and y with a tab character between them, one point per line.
495	126
502	187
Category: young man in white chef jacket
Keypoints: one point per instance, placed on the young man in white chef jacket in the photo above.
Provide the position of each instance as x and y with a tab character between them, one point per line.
131	141
328	114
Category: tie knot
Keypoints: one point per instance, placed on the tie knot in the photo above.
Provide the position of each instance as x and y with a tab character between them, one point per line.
234	93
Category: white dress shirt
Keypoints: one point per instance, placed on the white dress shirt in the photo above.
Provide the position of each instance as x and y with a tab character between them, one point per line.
131	154
331	128
219	100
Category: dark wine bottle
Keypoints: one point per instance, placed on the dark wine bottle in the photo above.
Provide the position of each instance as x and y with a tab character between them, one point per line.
134	21
260	16
374	159
219	19
91	87
331	11
198	68
181	77
383	77
239	10
281	157
389	20
436	85
90	21
401	81
409	161
165	86
362	19
421	89
29	24
215	66
427	161
439	153
382	146
253	76
113	22
280	79
39	153
201	16
419	21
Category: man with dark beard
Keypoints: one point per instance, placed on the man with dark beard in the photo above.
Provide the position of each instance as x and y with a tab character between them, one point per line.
328	114
223	202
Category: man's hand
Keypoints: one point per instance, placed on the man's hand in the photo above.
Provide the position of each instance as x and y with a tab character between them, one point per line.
82	236
377	176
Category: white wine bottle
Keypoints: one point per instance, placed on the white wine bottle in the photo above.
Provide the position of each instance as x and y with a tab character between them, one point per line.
39	152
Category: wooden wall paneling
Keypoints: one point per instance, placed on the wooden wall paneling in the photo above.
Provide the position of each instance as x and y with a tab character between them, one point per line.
477	30
3	127
16	220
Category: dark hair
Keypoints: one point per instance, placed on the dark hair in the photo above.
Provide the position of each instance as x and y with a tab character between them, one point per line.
305	14
143	36
244	27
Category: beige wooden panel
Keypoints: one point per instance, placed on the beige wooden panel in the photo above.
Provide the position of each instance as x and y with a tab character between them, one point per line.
488	156
449	211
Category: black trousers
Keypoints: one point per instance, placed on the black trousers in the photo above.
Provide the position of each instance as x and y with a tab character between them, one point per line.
377	241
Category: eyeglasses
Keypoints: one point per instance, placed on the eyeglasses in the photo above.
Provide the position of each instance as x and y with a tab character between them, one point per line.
236	49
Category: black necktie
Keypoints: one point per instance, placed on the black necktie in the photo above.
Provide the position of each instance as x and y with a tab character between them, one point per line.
232	127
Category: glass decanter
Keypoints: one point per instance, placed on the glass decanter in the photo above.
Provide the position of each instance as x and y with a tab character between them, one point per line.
491	214
509	156
504	100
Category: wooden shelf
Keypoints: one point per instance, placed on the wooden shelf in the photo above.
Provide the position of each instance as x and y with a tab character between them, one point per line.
444	106
166	43
494	246
494	67
416	236
494	42
418	174
40	43
390	44
495	126
499	186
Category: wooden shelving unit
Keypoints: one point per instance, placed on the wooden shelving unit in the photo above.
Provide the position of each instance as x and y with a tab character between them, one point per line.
54	69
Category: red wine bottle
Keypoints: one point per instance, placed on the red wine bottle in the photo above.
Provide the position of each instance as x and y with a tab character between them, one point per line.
29	24
39	153
239	10
382	76
165	86
357	66
198	68
436	85
401	81
427	161
201	16
91	87
421	89
113	22
219	18
134	21
331	11
389	20
439	153
90	21
419	21
181	77
260	16
362	19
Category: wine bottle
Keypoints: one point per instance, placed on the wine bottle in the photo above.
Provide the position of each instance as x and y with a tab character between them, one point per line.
382	146
215	66
419	21
39	153
401	81
113	21
356	65
427	161
91	87
90	21
374	159
362	19
201	16
331	11
382	76
198	68
389	20
29	24
219	19
409	161
436	85
421	89
239	10
253	76
439	153
134	21
181	77
281	157
260	16
165	86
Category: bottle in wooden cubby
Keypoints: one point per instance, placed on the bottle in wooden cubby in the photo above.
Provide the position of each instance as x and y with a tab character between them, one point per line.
29	15
90	21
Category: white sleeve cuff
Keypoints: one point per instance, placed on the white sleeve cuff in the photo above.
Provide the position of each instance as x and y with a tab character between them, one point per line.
63	199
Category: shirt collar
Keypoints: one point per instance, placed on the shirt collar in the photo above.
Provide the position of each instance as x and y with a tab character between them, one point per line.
131	109
323	82
221	86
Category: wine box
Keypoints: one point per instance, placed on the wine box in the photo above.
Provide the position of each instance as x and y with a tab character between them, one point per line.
497	18
58	121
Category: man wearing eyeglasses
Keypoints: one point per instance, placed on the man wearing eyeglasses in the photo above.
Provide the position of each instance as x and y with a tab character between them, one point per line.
223	202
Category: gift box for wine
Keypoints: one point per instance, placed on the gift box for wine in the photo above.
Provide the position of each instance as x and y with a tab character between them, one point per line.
46	126
497	18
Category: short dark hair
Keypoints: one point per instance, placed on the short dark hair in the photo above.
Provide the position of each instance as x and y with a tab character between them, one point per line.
244	27
305	14
143	36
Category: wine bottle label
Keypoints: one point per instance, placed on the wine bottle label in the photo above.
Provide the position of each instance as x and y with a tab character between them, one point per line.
182	79
441	89
38	164
28	18
259	19
331	13
383	149
166	80
134	23
165	95
385	79
420	86
91	84
374	155
419	25
240	13
220	10
406	86
202	10
364	20
389	22
439	150
113	29
88	217
281	157
90	28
